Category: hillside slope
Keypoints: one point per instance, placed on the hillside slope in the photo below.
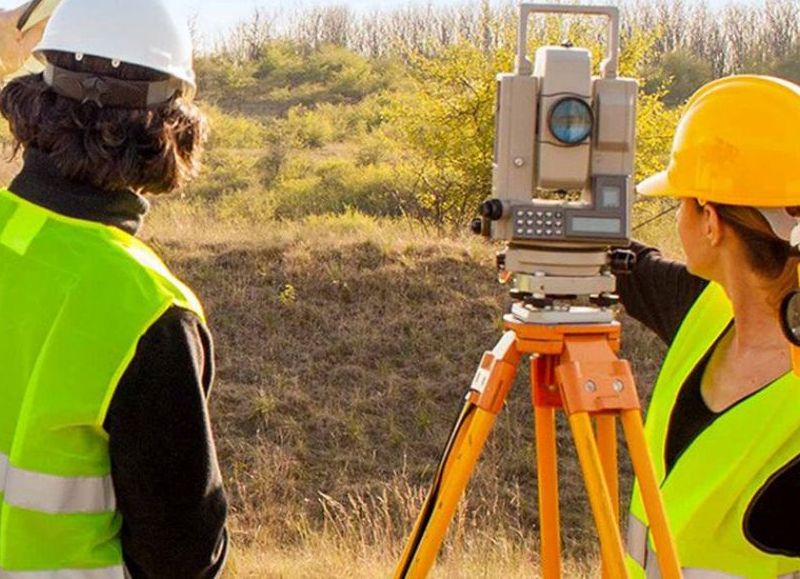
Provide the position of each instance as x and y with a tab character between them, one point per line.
344	347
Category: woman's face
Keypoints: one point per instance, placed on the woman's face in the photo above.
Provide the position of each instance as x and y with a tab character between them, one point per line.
692	230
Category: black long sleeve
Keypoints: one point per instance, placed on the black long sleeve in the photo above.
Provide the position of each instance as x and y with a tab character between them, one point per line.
659	292
164	465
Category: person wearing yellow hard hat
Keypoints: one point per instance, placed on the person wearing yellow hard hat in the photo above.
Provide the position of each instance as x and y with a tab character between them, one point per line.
723	425
108	468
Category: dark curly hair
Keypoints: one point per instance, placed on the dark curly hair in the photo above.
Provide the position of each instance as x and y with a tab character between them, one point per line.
151	150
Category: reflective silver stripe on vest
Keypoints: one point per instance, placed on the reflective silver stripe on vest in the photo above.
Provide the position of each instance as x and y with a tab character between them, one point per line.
688	573
3	471
692	573
105	573
55	494
647	558
707	574
637	540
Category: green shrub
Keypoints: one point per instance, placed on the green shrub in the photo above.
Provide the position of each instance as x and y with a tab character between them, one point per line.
225	171
283	64
251	206
272	163
309	129
337	186
230	131
375	148
327	123
217	76
334	73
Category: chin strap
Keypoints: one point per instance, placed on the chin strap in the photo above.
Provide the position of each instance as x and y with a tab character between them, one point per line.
111	92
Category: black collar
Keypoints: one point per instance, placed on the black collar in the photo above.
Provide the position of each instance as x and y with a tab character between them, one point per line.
41	182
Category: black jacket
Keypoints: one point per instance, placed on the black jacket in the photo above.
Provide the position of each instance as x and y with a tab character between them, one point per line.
163	461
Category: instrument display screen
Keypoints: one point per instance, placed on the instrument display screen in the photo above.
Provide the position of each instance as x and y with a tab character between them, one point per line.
610	197
609	225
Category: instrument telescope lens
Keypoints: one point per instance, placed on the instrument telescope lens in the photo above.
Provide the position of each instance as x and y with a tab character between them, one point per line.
571	121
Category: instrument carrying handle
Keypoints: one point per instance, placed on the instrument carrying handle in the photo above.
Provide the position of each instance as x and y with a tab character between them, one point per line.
610	65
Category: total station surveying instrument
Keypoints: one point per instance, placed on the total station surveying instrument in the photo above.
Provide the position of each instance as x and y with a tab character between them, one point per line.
563	192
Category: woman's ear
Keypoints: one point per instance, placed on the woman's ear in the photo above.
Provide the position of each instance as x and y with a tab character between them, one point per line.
713	229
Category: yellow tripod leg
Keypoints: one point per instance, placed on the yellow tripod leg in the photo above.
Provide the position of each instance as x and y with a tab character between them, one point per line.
599	497
431	527
607	445
485	400
654	506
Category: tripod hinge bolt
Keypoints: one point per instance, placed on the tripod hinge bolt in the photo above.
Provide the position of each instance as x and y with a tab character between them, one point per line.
619	386
590	387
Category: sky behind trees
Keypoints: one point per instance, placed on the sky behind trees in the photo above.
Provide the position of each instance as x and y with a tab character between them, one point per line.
216	16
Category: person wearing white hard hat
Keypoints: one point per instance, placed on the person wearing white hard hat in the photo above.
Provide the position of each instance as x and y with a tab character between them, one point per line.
108	468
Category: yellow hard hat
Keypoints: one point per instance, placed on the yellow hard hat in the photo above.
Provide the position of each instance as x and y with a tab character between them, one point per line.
738	143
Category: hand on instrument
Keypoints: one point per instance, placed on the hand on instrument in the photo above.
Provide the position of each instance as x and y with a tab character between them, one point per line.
16	46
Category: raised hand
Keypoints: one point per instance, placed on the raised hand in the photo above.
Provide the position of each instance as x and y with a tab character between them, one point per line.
15	45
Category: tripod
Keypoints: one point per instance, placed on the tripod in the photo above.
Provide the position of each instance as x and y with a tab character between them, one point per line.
574	367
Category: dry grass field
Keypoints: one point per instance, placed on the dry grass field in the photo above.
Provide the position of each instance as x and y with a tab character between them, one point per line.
345	345
345	342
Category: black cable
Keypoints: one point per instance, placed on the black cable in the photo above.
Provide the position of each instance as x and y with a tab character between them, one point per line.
433	497
656	218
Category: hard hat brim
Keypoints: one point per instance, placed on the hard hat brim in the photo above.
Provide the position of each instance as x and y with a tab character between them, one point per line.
656	186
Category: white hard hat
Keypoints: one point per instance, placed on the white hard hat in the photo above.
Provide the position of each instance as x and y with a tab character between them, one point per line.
148	33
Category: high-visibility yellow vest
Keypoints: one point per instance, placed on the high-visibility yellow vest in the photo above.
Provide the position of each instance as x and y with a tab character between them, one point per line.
716	479
75	298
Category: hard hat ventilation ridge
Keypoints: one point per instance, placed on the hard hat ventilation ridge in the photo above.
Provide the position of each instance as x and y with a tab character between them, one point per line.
110	92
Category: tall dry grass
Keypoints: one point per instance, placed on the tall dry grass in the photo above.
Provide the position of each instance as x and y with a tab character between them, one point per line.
345	345
357	539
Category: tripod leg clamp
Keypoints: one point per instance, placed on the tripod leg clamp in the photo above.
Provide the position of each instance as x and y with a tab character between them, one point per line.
495	376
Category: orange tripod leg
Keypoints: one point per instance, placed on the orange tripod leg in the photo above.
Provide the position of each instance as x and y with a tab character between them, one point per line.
547	471
485	400
651	496
545	402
